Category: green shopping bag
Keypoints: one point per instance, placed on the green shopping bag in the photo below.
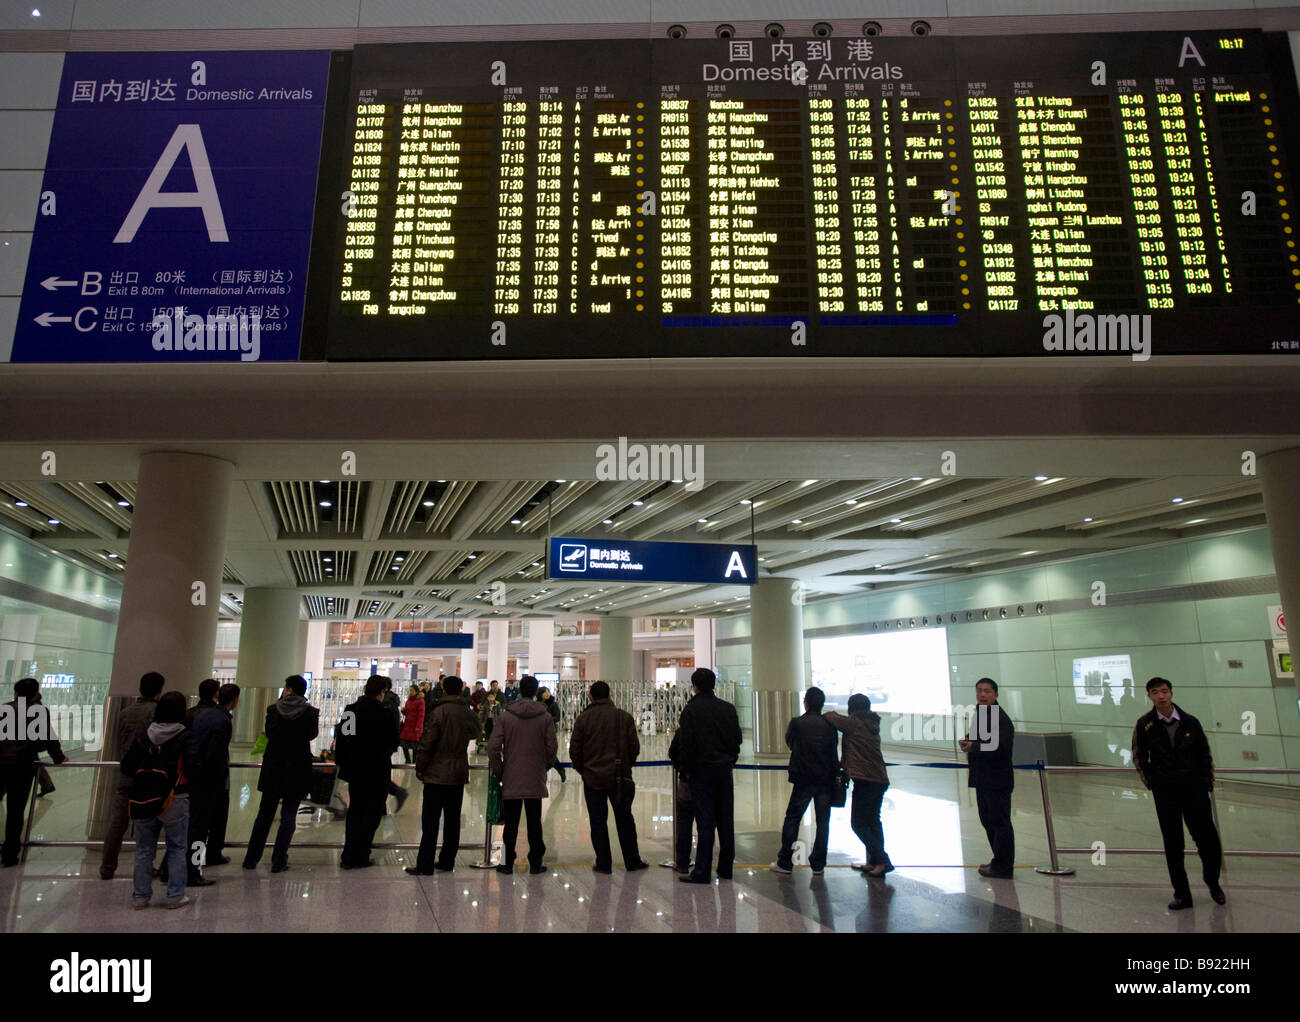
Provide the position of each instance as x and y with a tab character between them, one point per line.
259	746
494	800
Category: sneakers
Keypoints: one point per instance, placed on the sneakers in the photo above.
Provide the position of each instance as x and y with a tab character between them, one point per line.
180	902
776	867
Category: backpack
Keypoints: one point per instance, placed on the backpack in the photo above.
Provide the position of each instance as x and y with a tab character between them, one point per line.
153	786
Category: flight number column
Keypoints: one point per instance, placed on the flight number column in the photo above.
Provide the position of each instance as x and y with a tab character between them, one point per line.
360	279
676	165
998	222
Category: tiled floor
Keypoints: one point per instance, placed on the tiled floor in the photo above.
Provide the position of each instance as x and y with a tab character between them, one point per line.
931	829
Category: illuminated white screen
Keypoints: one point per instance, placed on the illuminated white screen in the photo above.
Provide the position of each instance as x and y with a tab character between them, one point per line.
1096	677
900	672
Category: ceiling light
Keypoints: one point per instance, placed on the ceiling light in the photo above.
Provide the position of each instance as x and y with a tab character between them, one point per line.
1087	519
637	503
472	556
326	503
327	560
428	503
1028	552
324	482
516	521
1040	479
1197	521
762	558
394	568
399	560
537	564
123	503
1176	500
896	520
561	480
112	557
796	521
20	503
807	482
747	501
850	502
702	521
916	479
608	521
52	521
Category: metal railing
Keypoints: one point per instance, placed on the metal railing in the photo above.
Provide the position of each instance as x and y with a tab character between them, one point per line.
1054	850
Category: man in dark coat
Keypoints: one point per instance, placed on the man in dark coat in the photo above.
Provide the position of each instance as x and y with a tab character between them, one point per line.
367	739
520	753
27	732
208	689
707	746
1172	756
442	763
285	777
132	722
603	748
210	781
989	758
814	759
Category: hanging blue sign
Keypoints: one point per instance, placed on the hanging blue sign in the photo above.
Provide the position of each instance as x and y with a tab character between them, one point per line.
176	211
634	561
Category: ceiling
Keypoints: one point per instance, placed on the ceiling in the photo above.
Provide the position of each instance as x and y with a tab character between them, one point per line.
388	548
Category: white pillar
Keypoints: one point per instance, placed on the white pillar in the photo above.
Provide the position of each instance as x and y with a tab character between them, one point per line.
541	646
777	648
498	649
314	654
616	649
468	669
705	631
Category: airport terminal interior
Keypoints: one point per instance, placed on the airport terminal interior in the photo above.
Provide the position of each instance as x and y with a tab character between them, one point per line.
502	493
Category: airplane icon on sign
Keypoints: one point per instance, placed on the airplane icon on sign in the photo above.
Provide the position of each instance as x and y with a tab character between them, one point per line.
573	557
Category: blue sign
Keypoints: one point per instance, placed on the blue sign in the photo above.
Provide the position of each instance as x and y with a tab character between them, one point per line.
339	662
434	640
176	212
632	561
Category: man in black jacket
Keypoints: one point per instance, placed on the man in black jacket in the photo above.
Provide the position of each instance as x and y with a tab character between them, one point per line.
989	758
213	727
708	745
814	760
367	740
27	732
285	777
1172	756
603	748
208	689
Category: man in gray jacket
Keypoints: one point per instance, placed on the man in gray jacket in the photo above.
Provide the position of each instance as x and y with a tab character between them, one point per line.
865	767
131	723
603	748
442	763
521	751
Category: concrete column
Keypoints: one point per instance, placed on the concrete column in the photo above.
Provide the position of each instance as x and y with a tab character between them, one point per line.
269	652
777	657
314	652
705	633
1279	474
167	623
541	646
498	651
615	649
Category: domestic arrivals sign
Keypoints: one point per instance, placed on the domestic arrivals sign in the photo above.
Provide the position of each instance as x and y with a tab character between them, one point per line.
175	215
632	561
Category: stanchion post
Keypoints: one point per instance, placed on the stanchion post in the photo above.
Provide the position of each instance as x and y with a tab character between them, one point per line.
31	813
1055	869
487	837
671	861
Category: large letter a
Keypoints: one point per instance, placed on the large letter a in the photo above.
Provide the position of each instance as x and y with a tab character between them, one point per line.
188	137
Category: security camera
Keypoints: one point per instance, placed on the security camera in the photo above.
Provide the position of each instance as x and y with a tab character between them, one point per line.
920	28
677	32
725	31
871	28
774	31
823	29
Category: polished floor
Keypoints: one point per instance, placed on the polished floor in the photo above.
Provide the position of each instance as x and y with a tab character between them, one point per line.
931	828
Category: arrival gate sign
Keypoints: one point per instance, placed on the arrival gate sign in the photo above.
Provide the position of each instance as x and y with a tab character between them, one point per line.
176	210
632	561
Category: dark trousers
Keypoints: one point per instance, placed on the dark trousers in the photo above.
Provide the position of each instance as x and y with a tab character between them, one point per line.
119	816
598	802
365	812
16	786
715	804
511	807
217	826
262	829
1190	802
864	817
994	806
820	796
440	801
207	803
685	818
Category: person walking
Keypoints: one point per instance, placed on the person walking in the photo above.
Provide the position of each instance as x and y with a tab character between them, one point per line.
991	775
412	723
210	784
442	763
286	774
814	761
708	744
603	749
156	764
30	733
131	723
367	740
545	697
394	706
521	751
865	766
1172	755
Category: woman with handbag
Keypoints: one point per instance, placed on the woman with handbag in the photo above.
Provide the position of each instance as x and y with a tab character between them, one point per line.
865	767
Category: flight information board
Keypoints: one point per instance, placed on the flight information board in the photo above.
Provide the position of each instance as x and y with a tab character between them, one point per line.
1031	195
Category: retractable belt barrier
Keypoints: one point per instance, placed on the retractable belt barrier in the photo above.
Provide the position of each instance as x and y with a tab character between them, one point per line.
1054	869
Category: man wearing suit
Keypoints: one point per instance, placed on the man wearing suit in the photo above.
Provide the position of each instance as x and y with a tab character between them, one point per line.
989	757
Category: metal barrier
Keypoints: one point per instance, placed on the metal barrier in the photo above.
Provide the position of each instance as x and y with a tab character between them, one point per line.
1054	851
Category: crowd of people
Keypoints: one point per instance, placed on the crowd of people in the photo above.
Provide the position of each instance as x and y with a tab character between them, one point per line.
175	776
